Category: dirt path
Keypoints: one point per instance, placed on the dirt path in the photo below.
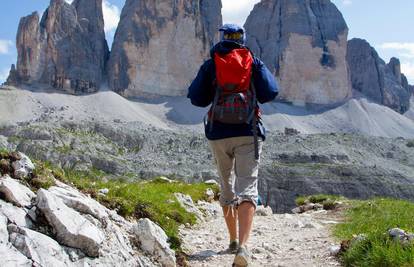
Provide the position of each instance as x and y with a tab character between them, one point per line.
277	240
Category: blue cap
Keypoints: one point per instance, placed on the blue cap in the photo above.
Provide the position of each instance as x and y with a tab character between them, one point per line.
231	28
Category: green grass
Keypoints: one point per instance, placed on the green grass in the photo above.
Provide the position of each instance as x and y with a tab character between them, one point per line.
145	199
373	218
151	199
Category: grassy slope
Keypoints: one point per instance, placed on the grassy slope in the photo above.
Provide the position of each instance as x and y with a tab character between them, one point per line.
150	199
372	218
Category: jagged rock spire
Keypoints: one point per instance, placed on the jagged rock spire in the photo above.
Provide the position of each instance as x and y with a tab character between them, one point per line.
67	49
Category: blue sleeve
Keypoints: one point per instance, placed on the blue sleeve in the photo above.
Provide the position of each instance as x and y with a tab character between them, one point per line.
266	85
201	90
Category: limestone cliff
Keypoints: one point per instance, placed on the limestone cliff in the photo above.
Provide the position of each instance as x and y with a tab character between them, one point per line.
159	45
304	43
67	49
381	82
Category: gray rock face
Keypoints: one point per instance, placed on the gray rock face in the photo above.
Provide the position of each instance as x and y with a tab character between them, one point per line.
381	82
67	50
304	44
159	45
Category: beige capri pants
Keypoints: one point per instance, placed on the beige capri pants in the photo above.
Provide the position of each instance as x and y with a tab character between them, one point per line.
238	169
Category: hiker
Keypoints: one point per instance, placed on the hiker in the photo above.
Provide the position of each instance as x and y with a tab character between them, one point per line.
233	81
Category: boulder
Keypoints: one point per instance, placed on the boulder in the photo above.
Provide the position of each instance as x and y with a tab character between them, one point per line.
78	201
15	215
370	75
71	228
22	167
154	241
41	249
15	192
67	49
303	43
264	211
187	203
159	45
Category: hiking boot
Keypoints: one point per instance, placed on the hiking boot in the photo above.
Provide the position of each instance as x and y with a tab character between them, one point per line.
242	258
233	247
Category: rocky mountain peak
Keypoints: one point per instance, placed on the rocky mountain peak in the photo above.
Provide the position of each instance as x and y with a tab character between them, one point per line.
66	50
381	82
159	45
303	42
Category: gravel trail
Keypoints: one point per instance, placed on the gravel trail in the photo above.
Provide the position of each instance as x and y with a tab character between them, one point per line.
277	240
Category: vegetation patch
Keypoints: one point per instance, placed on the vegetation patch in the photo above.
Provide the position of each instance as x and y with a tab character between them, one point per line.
372	219
145	199
410	143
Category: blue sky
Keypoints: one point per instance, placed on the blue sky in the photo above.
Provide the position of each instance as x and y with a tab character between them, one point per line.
386	24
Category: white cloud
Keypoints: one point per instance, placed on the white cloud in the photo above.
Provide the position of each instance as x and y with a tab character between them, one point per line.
404	50
408	69
5	46
347	2
4	73
111	15
237	12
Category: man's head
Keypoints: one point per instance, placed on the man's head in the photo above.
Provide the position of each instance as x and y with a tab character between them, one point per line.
232	32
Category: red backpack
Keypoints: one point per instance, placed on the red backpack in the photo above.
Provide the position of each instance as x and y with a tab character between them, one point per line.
235	97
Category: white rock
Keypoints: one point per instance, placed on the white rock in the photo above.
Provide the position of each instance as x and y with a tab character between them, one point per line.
209	209
23	167
334	250
15	215
4	234
154	241
262	211
15	192
104	191
187	203
9	255
165	179
297	210
38	247
71	228
78	201
210	194
212	182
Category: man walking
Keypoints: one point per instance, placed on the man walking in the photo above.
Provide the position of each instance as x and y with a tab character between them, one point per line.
233	81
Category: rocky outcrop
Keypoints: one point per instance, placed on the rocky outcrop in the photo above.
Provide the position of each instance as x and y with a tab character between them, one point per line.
159	45
66	50
304	43
371	76
64	227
